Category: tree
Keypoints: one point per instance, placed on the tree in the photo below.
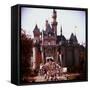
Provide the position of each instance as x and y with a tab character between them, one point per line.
26	53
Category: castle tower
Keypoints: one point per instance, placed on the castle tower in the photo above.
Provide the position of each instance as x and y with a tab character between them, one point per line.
54	22
37	34
36	48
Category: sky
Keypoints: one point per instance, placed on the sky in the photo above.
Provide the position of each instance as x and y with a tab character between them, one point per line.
71	21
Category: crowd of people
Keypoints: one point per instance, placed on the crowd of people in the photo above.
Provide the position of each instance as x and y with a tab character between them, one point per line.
50	70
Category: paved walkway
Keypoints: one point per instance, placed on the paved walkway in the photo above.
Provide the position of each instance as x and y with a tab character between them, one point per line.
41	78
63	77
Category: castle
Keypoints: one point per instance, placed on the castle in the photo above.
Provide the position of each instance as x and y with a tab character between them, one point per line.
47	44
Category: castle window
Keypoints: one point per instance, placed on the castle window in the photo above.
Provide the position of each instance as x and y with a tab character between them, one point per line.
48	43
60	43
49	35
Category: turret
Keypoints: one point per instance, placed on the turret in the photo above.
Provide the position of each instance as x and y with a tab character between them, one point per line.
36	33
54	22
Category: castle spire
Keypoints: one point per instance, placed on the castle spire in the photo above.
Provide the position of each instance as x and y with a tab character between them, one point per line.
75	30
61	30
54	16
36	31
54	22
